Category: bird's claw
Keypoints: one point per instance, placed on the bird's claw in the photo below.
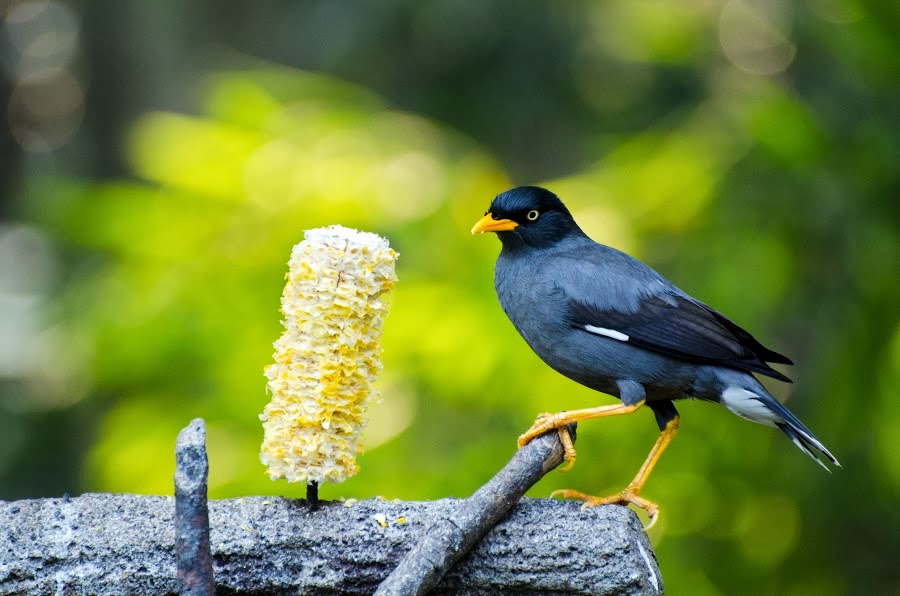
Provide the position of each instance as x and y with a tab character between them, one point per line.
544	423
629	495
568	447
540	426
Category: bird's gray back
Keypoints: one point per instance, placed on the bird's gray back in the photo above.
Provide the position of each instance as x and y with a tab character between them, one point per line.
534	287
614	280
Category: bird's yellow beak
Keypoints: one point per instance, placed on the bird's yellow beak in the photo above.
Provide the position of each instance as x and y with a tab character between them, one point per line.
489	224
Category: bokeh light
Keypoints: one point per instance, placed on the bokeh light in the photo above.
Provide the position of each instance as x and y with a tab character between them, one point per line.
47	101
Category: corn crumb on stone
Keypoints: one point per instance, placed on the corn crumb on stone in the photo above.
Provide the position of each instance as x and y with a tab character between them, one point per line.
328	355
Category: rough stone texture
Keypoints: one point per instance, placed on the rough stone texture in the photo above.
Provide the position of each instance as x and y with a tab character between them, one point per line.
125	544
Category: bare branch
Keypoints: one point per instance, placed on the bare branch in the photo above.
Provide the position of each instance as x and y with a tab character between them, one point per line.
195	570
448	540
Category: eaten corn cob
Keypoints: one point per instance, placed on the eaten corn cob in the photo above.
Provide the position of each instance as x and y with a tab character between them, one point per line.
328	355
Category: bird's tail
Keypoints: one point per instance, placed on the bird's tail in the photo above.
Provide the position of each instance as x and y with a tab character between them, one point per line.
760	406
799	434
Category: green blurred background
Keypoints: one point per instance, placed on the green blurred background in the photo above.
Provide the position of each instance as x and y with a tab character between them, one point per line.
159	159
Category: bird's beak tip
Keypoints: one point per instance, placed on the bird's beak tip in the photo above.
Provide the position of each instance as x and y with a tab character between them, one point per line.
489	224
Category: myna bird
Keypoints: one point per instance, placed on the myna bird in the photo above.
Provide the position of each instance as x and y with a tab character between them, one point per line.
610	322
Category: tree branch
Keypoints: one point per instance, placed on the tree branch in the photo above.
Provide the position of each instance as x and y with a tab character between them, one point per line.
448	540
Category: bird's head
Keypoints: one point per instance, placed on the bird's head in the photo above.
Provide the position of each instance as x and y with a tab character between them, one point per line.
528	215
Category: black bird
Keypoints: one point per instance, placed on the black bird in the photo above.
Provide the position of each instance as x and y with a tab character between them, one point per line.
610	322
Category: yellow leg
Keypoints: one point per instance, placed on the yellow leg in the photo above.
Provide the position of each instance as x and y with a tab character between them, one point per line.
631	492
561	420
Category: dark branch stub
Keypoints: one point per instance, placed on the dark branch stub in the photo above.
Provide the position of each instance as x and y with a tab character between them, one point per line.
312	495
449	540
195	572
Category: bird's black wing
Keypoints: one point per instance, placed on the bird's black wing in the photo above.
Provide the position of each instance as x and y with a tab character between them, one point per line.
676	325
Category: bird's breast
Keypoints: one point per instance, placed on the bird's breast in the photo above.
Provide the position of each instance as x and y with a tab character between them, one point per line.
532	301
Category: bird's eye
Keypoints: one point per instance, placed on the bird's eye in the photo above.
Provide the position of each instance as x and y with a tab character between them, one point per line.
533	215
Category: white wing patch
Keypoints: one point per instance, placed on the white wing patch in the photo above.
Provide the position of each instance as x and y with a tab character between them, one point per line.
611	333
746	404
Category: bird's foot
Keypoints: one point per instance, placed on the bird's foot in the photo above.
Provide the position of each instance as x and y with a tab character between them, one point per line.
629	495
539	427
546	422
